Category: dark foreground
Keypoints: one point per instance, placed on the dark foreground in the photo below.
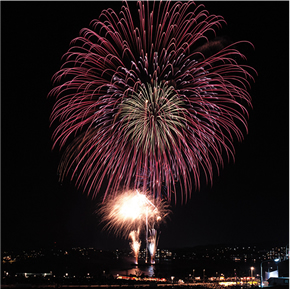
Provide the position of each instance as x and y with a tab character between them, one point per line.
151	285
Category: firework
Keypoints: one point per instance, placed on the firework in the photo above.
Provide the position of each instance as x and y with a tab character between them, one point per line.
143	102
132	211
135	244
152	246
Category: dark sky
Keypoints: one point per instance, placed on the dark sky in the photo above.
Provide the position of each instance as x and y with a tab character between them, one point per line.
247	203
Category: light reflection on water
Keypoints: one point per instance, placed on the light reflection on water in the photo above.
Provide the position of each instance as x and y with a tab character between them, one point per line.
135	270
127	267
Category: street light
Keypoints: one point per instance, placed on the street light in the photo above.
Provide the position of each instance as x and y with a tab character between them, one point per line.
252	269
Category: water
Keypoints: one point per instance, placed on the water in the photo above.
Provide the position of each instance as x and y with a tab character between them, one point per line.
127	267
135	270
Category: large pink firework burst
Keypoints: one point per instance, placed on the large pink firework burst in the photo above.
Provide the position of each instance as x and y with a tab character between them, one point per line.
140	104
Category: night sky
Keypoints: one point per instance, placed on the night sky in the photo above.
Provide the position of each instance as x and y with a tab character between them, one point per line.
248	201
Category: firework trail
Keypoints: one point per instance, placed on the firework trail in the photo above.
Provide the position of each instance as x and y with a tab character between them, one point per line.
153	242
142	101
132	211
135	244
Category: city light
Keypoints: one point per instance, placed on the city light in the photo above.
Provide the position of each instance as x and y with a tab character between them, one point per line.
162	256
